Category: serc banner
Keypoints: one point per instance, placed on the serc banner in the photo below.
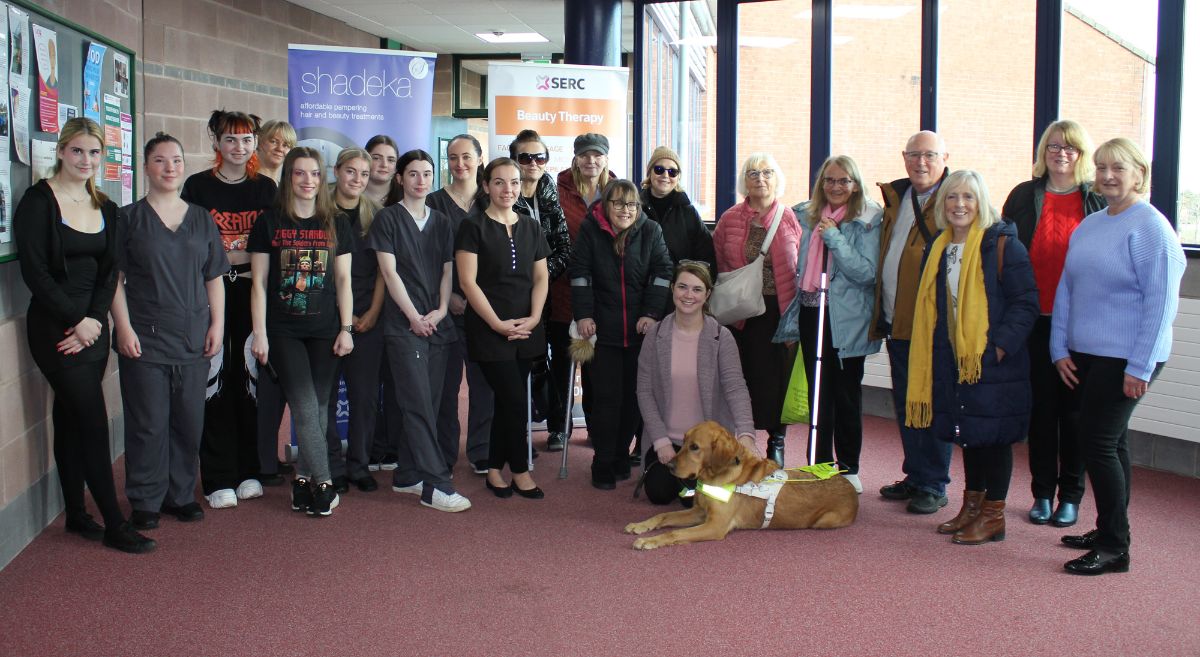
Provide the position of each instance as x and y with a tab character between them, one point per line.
561	102
340	97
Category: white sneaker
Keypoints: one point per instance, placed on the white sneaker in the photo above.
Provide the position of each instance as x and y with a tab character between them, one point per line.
224	498
388	465
414	489
854	481
249	489
452	503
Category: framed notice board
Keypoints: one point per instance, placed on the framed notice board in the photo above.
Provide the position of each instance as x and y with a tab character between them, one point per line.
54	70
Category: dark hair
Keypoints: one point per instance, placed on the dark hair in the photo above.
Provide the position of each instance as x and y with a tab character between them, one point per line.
381	139
525	136
479	176
325	210
396	191
486	175
627	189
222	122
697	269
159	139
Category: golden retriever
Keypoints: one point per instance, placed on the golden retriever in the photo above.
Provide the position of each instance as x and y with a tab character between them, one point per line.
712	455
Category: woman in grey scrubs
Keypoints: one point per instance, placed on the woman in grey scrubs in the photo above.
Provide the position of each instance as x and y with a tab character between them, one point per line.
169	313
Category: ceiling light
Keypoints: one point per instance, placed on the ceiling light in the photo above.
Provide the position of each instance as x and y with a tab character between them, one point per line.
511	37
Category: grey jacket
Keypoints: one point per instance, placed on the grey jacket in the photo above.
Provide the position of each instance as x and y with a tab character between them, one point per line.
723	394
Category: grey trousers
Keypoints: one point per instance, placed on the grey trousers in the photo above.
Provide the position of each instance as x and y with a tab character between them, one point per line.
164	417
361	370
306	368
479	405
419	368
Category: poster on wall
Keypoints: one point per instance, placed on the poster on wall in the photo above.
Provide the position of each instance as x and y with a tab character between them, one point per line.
561	102
42	165
91	81
46	45
18	29
18	115
4	114
5	203
339	97
112	137
121	74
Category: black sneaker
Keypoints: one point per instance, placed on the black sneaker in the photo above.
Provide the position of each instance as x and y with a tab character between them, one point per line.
85	525
480	467
190	512
899	490
324	500
925	502
341	484
556	441
143	519
126	539
302	496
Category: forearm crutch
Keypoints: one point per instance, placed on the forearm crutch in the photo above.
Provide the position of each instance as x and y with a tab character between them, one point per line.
570	421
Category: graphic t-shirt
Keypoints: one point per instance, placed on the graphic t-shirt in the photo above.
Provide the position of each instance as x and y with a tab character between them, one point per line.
234	207
301	295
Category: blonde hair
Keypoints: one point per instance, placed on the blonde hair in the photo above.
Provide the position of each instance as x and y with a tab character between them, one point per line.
578	179
1124	150
276	127
756	160
367	207
77	127
985	215
1074	135
817	201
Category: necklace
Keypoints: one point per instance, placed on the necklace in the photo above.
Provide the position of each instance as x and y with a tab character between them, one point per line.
463	202
61	189
228	179
1066	190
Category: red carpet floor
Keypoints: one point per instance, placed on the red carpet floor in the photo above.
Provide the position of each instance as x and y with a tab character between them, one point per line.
385	576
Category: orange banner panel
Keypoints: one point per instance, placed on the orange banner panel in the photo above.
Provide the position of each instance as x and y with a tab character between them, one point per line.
558	117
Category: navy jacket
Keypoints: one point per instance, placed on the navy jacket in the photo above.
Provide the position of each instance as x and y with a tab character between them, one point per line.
995	410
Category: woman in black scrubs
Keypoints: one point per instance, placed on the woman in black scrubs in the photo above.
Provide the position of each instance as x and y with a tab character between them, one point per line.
501	258
66	239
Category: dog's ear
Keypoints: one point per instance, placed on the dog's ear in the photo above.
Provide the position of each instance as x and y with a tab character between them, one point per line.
724	451
757	469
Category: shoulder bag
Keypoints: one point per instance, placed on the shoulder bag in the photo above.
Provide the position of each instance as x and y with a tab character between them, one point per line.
737	294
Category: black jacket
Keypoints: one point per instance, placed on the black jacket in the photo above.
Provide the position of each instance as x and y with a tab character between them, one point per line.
613	290
37	224
554	226
684	232
1024	206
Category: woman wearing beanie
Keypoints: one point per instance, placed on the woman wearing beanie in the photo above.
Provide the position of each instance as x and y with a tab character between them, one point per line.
665	202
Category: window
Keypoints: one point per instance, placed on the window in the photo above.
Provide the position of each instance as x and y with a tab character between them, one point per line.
1188	210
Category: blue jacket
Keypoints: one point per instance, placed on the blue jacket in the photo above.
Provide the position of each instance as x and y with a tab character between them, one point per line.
855	249
995	410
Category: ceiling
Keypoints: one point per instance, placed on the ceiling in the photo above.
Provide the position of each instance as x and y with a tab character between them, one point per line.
449	26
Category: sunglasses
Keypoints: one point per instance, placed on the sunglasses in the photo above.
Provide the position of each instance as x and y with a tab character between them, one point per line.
530	158
660	170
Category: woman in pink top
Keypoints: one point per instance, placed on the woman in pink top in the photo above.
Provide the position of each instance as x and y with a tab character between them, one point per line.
738	239
689	371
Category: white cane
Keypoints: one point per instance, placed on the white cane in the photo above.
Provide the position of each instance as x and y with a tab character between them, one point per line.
816	396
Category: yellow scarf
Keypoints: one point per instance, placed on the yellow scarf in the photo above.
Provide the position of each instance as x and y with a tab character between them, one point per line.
968	332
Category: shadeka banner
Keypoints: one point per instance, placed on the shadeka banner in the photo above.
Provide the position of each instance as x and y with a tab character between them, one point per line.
340	97
561	102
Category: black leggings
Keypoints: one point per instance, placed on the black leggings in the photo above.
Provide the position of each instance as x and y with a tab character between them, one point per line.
507	379
989	469
81	448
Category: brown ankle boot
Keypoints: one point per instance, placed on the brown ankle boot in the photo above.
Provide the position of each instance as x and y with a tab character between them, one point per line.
970	509
987	526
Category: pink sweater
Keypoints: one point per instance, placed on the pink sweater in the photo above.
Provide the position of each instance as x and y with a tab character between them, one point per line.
730	243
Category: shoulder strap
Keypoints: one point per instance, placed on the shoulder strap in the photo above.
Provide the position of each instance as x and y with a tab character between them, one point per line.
774	227
1000	256
919	216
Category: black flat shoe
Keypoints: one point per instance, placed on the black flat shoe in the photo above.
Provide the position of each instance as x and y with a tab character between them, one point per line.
1083	542
341	484
271	479
143	520
604	485
190	512
534	493
86	526
500	491
126	539
366	484
1093	563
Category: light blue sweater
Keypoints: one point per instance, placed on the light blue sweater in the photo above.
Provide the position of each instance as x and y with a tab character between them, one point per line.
1119	291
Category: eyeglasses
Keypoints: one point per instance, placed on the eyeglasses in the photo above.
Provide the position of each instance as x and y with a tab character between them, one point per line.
765	174
530	158
625	205
928	156
837	182
1062	148
660	170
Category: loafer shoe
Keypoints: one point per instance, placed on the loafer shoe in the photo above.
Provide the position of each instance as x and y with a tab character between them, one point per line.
143	519
86	526
1095	563
1065	515
899	490
366	484
126	539
924	502
1082	542
190	512
1039	513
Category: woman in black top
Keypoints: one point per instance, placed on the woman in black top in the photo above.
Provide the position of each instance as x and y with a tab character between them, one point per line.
665	202
301	304
65	234
501	259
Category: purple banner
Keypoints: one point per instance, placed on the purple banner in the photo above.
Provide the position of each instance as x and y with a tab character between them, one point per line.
340	97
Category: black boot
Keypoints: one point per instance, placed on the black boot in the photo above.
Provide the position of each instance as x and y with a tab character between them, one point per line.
775	446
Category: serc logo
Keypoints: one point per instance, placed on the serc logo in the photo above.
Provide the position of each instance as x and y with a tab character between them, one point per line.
543	82
546	83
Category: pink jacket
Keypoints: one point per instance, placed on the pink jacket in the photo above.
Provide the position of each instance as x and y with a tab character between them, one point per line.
729	241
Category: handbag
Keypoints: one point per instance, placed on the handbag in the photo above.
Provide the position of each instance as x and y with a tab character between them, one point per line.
737	294
795	400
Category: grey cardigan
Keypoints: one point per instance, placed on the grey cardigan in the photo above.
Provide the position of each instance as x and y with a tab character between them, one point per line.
723	393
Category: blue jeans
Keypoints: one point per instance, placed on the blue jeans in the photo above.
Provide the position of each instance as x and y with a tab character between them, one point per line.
926	459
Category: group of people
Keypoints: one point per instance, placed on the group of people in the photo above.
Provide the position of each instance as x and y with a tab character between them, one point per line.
255	283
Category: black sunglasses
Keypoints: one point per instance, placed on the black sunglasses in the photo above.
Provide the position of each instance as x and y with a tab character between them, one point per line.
530	158
660	170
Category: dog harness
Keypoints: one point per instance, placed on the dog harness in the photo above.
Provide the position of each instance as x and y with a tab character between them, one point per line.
767	489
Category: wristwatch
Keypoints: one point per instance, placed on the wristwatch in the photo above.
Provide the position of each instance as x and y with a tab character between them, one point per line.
349	328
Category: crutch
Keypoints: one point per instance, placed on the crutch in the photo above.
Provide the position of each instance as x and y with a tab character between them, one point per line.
570	422
816	393
529	420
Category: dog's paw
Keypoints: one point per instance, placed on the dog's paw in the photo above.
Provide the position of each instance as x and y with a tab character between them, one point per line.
646	543
637	528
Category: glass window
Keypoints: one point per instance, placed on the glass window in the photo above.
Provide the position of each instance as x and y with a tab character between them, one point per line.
1188	211
876	86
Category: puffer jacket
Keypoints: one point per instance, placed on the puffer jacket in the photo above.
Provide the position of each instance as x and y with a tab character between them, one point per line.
684	232
729	242
854	246
1023	206
614	291
554	226
995	410
575	210
909	275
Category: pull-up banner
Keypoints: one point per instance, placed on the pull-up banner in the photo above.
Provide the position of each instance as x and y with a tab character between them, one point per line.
561	102
341	97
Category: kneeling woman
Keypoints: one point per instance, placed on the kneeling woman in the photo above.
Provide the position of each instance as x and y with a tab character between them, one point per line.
294	247
968	365
689	371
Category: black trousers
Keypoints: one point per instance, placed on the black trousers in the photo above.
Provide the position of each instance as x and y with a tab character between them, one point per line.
507	379
660	485
1055	457
839	417
988	469
1104	413
81	449
616	417
558	336
229	443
